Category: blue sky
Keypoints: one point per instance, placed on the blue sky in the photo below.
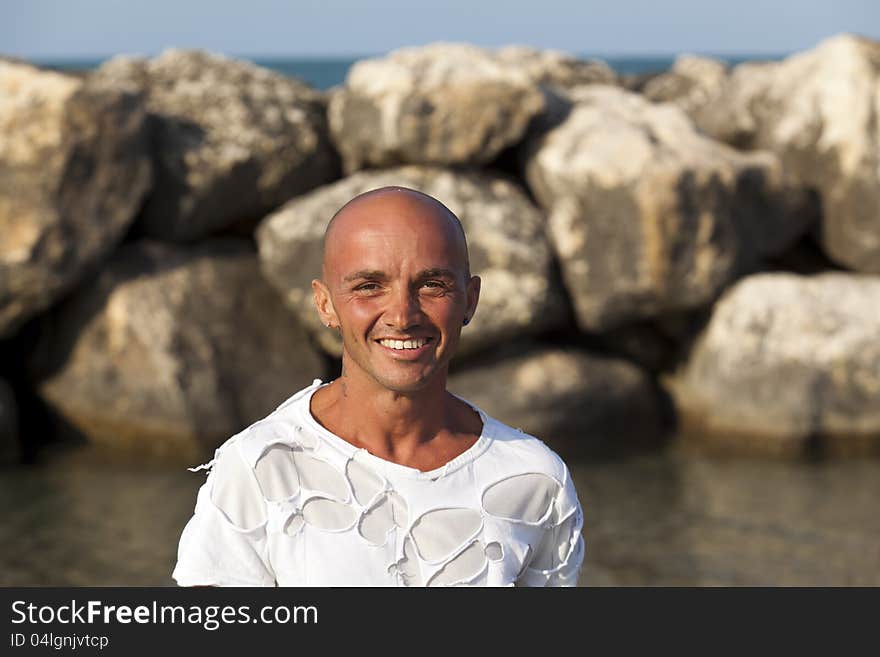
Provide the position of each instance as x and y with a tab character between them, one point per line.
69	28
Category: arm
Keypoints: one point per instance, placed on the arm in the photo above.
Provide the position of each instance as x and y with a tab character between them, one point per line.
224	543
558	558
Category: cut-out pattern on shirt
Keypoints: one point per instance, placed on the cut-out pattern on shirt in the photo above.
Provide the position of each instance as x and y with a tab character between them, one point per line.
462	568
494	551
377	521
237	494
365	483
281	478
320	476
329	515
277	473
440	532
524	497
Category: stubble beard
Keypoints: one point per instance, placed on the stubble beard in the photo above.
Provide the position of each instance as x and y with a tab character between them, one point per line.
352	370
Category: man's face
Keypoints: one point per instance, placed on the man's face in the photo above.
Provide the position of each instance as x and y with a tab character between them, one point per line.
396	275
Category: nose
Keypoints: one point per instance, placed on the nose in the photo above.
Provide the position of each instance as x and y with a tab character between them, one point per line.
404	309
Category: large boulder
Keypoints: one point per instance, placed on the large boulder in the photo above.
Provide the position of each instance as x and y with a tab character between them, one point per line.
785	361
445	104
506	242
647	215
818	110
231	140
10	447
74	167
171	350
576	401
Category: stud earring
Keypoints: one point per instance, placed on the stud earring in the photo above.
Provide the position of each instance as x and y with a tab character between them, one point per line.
467	320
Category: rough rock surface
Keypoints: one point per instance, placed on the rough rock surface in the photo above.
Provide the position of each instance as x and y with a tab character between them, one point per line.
74	167
786	359
555	68
569	398
451	104
647	215
232	141
506	242
10	447
818	110
691	83
172	350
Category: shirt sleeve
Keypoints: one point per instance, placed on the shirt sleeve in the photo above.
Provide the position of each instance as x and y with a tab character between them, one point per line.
559	556
224	543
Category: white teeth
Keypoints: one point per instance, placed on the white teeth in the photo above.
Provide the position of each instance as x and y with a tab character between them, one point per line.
404	344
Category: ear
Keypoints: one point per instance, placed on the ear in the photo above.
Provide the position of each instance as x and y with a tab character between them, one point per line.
473	296
324	304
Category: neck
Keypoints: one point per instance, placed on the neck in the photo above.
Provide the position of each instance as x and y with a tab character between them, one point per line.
387	423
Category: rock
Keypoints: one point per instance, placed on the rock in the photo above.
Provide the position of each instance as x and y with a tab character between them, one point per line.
786	360
172	350
818	111
555	68
804	257
691	83
74	168
643	343
506	241
647	215
10	447
636	82
232	140
445	104
569	398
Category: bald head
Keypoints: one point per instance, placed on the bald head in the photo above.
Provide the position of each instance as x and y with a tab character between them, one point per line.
395	267
389	205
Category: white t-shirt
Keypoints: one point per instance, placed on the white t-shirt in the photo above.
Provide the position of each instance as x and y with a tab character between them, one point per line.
289	503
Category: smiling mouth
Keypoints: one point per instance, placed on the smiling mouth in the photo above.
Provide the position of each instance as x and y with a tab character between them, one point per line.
404	345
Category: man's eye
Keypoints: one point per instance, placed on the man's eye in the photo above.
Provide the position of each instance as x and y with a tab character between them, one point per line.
434	284
367	287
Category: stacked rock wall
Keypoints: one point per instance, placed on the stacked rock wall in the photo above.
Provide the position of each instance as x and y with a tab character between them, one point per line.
161	221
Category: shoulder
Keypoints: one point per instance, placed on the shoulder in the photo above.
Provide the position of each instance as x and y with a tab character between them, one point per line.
520	449
514	445
283	425
518	469
525	481
237	485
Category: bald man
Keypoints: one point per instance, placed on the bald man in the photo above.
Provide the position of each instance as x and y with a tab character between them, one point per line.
383	477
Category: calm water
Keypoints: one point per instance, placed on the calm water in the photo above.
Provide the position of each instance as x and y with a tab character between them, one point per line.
665	518
324	73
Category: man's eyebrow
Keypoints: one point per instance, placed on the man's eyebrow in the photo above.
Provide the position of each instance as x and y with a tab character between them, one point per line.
437	273
366	273
375	274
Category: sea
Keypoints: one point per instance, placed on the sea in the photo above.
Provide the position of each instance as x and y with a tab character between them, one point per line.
664	517
324	73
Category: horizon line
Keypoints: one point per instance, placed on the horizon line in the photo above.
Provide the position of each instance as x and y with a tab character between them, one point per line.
358	56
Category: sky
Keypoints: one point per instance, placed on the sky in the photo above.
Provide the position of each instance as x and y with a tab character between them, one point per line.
45	29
